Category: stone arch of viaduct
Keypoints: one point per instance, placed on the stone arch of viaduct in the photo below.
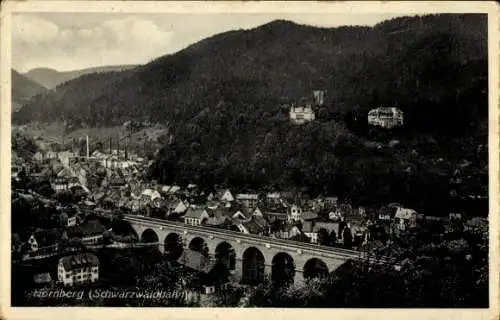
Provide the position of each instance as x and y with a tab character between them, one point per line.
269	249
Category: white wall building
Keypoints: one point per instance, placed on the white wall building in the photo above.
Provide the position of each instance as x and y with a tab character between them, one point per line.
78	269
300	115
295	213
385	117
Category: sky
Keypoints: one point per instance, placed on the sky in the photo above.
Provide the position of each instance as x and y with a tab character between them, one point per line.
72	41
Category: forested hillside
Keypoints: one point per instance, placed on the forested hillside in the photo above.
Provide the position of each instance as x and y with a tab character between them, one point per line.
23	89
432	62
51	78
224	96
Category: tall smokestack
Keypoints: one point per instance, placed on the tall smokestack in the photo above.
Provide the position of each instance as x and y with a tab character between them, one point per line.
110	150
88	150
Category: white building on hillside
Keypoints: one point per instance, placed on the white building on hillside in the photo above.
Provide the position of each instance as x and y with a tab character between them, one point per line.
385	117
300	115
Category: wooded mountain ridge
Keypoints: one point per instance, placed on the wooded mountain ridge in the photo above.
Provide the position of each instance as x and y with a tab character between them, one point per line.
416	62
23	89
51	78
224	99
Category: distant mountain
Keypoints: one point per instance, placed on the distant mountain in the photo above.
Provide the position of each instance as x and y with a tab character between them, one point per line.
23	89
51	78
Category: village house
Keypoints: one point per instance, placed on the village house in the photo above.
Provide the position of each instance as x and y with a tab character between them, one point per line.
175	207
14	171
170	190
330	202
335	215
290	232
65	157
64	180
212	276
114	162
359	232
90	232
249	200
81	171
224	195
38	156
212	204
295	213
78	269
136	205
405	218
262	223
135	189
309	216
275	213
59	184
385	117
164	190
211	197
43	278
455	216
309	231
257	212
273	197
196	216
198	199
68	217
43	242
116	179
218	216
148	196
385	214
477	225
249	227
436	219
235	212
329	227
98	155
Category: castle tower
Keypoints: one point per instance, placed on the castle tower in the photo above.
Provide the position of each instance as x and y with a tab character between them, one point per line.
319	97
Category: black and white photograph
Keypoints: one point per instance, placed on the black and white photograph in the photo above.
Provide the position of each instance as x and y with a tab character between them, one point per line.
260	159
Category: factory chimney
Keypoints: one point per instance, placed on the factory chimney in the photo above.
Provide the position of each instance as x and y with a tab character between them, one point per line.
88	150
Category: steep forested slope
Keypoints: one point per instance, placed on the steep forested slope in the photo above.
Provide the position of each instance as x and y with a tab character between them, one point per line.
223	98
23	89
51	78
429	62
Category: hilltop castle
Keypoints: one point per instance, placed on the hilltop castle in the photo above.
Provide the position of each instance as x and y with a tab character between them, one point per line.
304	111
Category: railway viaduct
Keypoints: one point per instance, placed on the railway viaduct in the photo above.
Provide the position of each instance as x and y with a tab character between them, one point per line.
248	257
